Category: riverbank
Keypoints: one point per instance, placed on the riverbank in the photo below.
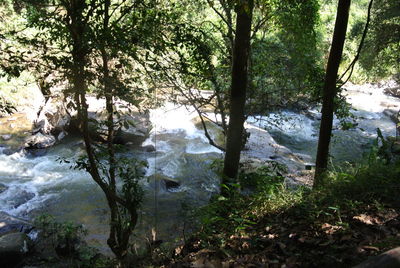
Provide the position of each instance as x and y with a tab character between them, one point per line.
356	216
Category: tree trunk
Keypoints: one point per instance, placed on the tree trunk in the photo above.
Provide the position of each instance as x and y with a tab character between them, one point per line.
329	90
238	90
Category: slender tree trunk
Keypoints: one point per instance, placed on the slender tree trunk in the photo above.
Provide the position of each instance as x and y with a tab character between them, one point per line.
238	90
329	90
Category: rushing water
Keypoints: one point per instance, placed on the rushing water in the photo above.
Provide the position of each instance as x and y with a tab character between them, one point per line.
299	131
45	184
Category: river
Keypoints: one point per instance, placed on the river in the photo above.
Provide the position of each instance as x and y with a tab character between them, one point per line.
45	184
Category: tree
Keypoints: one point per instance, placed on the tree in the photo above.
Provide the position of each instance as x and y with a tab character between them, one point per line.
282	62
330	90
98	46
241	52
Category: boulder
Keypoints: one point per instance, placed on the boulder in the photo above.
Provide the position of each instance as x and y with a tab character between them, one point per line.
36	152
9	224
62	135
170	184
135	130
149	148
39	141
394	91
53	117
3	187
392	114
10	151
13	248
163	182
389	259
21	198
261	145
6	137
131	135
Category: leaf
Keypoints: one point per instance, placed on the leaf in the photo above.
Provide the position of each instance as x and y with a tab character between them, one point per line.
222	198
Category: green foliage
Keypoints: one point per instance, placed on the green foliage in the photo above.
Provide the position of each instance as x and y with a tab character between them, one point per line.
375	178
128	170
320	217
381	57
65	237
264	179
259	192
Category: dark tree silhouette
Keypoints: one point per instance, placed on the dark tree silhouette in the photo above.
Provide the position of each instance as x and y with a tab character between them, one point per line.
241	53
330	90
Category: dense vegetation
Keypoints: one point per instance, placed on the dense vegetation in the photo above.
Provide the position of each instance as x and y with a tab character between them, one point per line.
255	57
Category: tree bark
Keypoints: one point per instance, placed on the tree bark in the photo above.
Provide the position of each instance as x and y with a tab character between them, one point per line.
330	90
238	90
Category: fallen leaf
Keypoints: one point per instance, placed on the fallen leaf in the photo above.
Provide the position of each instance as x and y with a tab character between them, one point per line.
366	219
371	248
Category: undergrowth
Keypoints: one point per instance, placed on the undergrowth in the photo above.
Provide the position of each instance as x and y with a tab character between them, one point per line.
264	221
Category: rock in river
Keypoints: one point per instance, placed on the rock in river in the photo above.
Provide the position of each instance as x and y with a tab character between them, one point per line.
148	148
5	137
21	197
39	141
170	184
9	223
3	188
13	247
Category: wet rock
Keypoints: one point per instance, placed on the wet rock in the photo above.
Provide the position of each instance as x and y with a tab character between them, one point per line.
53	117
36	152
261	145
135	131
62	135
394	92
6	137
13	248
132	137
170	184
21	198
162	182
9	224
393	114
149	148
3	187
10	151
136	128
39	141
389	259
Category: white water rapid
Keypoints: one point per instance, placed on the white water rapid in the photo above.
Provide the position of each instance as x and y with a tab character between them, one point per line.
46	184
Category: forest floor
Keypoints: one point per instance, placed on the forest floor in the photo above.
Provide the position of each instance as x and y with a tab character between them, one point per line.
291	240
341	225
